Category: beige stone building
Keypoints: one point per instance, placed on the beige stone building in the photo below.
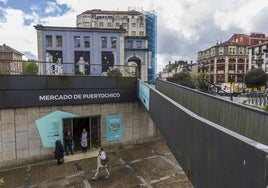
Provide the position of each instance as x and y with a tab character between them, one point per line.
10	60
258	56
133	21
229	61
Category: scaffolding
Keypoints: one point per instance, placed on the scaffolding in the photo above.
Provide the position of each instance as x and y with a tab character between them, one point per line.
151	32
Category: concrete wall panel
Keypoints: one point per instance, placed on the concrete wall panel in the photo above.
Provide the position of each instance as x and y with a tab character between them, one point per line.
211	155
242	119
9	150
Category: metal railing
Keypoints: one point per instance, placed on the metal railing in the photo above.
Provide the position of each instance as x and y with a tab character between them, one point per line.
33	67
258	99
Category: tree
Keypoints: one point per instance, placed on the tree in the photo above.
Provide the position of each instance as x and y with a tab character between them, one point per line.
255	78
30	68
114	73
198	80
182	78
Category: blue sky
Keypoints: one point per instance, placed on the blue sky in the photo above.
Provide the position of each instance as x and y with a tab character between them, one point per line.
184	26
30	7
44	8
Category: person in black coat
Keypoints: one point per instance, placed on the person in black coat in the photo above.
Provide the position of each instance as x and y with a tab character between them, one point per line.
59	152
68	143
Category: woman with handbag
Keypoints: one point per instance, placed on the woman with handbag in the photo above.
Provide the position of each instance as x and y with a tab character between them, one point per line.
102	161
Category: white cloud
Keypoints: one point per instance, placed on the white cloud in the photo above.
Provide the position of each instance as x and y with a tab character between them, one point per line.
15	34
241	16
67	20
52	7
184	26
4	1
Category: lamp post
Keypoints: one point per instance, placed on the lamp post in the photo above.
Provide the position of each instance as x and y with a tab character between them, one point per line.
231	87
203	66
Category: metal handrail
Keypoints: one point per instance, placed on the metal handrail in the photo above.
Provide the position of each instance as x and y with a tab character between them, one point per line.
34	67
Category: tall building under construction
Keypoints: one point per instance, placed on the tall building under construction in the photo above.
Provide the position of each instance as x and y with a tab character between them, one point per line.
140	36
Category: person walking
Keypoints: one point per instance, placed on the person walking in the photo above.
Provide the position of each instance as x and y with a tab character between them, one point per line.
84	139
68	143
101	166
59	152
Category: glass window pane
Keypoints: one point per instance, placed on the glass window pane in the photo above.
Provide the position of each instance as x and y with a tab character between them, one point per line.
58	41
133	33
76	41
130	44
48	40
139	44
104	42
113	42
86	41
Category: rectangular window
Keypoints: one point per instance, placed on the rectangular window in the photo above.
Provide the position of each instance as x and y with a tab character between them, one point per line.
113	42
104	42
86	41
77	41
221	50
48	40
139	44
101	24
58	41
142	24
141	33
109	24
133	33
130	44
133	24
117	24
241	51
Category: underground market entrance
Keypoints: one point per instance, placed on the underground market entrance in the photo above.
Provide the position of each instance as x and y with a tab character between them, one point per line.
76	126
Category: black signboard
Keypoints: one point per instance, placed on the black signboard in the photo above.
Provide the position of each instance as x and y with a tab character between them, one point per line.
29	91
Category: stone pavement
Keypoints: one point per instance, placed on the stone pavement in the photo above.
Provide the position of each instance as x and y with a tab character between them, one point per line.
150	165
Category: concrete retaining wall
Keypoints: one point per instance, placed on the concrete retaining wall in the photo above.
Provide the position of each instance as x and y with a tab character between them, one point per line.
247	121
20	140
211	155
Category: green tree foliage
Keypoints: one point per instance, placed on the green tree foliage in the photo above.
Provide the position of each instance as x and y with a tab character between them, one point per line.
29	68
182	78
198	80
114	73
255	78
2	181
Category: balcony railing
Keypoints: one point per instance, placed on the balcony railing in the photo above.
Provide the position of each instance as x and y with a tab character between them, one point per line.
14	67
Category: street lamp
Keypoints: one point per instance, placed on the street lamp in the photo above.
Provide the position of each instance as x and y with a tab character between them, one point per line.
203	67
231	87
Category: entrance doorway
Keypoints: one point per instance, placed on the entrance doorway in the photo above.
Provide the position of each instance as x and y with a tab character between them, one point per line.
76	126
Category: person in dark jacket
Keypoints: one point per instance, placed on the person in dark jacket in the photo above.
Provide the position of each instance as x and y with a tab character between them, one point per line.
59	152
68	143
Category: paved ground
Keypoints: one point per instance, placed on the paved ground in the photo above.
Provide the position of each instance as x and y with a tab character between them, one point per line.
149	165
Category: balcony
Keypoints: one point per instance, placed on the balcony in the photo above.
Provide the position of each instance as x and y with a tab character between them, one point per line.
220	72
